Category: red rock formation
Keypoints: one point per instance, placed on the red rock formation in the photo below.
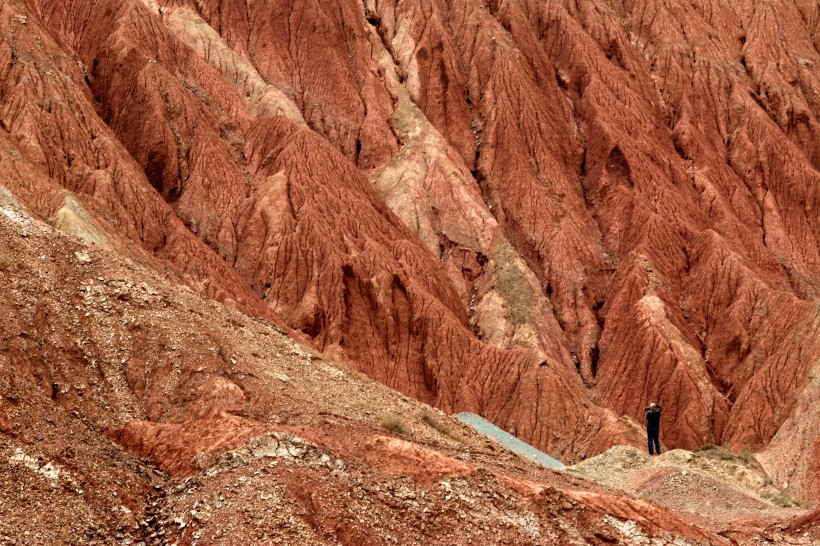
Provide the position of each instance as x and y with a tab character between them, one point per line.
549	213
50	118
377	295
650	151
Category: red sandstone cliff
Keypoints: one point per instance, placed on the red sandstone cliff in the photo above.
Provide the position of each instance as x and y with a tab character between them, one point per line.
548	213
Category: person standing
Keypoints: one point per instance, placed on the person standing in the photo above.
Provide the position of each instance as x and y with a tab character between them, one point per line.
653	427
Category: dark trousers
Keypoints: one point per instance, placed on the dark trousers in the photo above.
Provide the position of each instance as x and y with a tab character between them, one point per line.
653	440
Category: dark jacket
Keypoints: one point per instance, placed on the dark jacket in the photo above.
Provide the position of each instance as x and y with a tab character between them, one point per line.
653	418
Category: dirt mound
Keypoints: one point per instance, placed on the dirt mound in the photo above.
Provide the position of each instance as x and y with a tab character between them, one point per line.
725	492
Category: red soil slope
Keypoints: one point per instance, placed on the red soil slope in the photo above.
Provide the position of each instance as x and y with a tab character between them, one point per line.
548	213
133	410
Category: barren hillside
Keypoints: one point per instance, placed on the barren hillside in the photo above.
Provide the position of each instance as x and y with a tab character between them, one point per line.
136	412
544	212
